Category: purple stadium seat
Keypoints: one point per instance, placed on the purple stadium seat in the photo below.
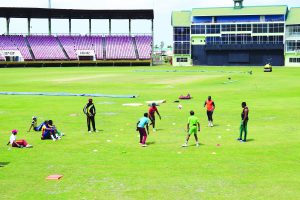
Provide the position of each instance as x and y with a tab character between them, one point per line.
51	48
119	47
143	44
15	42
46	48
73	43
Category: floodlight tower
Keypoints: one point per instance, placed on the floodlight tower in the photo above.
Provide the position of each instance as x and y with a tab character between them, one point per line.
49	19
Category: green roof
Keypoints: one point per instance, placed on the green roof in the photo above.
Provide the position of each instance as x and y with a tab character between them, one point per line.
181	18
248	10
293	16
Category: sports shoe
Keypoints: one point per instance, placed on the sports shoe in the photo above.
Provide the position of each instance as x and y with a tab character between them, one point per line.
154	130
197	145
239	139
184	145
144	145
96	131
90	131
29	146
211	124
242	140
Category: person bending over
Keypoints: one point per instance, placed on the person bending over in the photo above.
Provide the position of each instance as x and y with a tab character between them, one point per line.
140	126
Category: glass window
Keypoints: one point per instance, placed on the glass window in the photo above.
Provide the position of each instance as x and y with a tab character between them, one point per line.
181	59
181	34
291	45
181	48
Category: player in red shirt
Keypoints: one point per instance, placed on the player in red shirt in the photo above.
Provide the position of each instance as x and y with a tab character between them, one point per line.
151	114
210	107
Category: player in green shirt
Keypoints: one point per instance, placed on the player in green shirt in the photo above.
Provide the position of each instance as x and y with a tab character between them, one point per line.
193	123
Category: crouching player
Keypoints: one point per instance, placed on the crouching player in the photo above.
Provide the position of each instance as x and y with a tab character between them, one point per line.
140	126
17	143
193	123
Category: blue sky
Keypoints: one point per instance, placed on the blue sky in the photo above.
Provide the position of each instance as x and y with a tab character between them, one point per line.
162	11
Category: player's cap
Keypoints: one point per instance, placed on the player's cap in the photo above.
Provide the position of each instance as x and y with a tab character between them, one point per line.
14	131
153	104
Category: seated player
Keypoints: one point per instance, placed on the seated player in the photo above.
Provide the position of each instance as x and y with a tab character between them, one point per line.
48	132
57	133
17	143
34	125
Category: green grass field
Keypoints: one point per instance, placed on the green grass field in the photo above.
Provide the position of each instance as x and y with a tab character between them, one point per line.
112	165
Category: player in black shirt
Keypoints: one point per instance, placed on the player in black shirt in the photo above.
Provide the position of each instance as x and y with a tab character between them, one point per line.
90	112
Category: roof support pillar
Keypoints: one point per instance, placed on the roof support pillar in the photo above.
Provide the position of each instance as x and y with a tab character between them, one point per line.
109	25
152	44
90	26
129	27
7	25
28	25
49	26
70	26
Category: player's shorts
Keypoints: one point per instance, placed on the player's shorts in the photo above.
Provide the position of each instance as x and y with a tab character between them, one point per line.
193	130
142	131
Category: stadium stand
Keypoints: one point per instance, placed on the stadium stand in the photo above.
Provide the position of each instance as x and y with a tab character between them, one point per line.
46	48
120	47
64	47
15	42
73	43
143	44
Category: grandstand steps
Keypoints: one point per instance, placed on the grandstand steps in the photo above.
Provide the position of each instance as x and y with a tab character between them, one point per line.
104	47
29	48
62	48
135	48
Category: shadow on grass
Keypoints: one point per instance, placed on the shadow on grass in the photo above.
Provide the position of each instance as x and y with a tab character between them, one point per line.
3	164
150	143
193	145
250	140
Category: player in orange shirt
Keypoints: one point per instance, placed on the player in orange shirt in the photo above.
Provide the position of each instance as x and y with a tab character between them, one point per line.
210	107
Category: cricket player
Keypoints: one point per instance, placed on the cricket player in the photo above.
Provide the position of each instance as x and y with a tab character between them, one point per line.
192	125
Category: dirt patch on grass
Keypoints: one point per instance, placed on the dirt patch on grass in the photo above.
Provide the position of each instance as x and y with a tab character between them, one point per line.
84	78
